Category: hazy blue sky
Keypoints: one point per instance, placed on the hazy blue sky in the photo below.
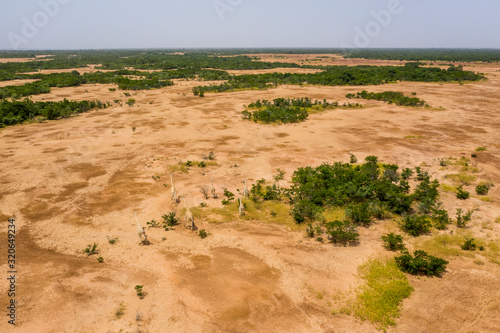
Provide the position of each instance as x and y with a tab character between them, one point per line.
85	24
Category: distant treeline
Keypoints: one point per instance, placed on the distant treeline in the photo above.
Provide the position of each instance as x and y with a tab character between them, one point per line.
343	76
140	60
392	97
74	79
16	112
463	55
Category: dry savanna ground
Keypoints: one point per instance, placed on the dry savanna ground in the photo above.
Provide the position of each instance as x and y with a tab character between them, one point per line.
72	182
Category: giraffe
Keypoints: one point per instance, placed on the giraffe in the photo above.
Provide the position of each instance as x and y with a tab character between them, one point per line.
213	189
141	232
188	217
173	196
241	208
246	193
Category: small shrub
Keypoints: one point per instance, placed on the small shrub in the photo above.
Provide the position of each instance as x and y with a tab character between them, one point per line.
441	219
169	220
133	129
469	245
153	224
354	159
473	155
229	197
100	259
138	290
393	242
343	232
203	205
131	102
205	190
481	149
482	189
112	240
462	194
120	311
203	234
407	173
91	249
310	231
463	220
421	262
112	89
416	225
280	175
202	164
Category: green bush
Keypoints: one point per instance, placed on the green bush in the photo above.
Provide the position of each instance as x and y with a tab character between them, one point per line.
203	234
463	220
416	225
170	220
482	189
441	219
359	213
421	262
469	245
392	97
393	242
462	194
342	232
91	249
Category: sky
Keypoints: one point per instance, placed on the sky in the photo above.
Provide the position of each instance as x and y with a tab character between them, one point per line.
113	24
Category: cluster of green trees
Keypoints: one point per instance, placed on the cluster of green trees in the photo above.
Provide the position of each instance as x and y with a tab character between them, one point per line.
19	111
342	76
465	55
392	97
286	110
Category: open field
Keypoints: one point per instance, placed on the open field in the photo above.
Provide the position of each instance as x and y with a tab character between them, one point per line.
78	181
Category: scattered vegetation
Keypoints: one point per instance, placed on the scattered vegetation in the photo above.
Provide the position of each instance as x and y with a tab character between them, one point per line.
482	189
91	249
392	97
112	240
203	234
469	245
462	194
169	221
462	220
138	290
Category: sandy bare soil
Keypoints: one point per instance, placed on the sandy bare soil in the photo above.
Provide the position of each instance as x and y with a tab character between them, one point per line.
76	181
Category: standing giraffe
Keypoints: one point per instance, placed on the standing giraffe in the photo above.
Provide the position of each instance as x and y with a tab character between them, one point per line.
188	217
141	232
213	189
246	193
241	208
173	193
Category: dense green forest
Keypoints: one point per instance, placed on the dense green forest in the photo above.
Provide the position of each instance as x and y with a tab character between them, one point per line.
16	112
463	55
344	75
392	97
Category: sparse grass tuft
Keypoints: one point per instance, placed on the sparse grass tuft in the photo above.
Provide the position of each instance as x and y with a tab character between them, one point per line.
177	168
448	188
120	311
379	300
461	178
481	149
